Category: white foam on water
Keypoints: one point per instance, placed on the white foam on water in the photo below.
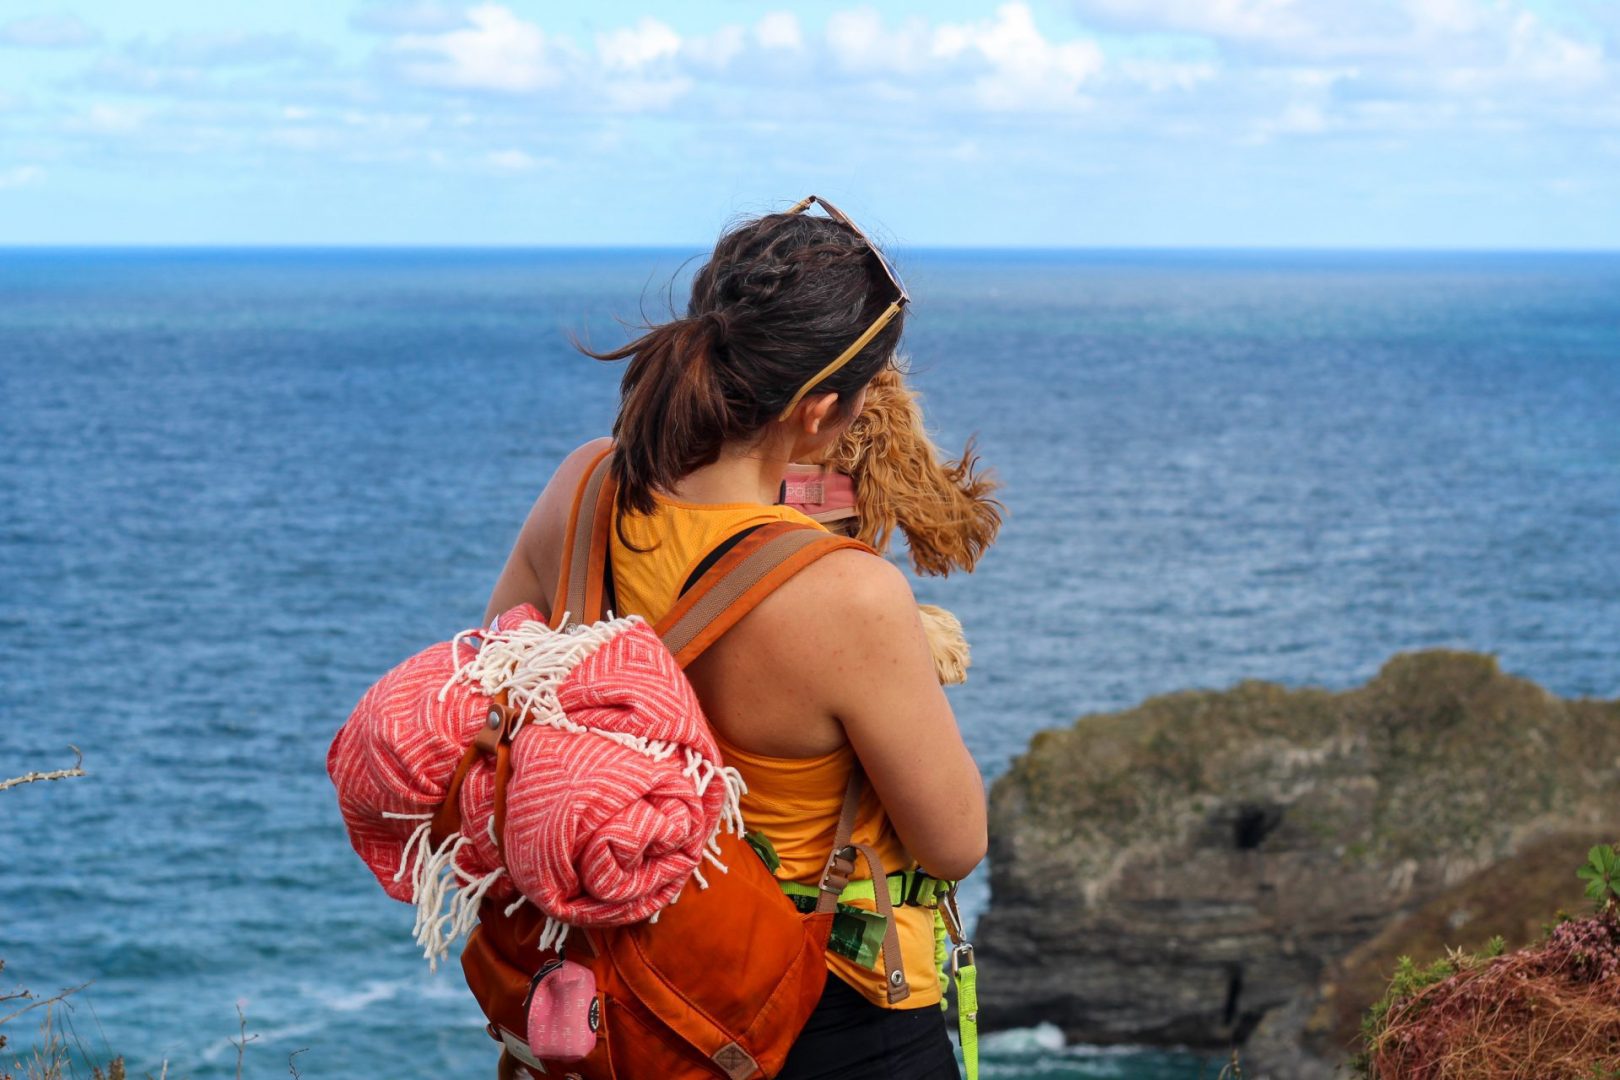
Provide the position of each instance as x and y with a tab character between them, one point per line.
349	999
258	1039
1040	1039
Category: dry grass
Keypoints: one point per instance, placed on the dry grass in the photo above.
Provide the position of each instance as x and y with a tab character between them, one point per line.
1549	1012
50	1056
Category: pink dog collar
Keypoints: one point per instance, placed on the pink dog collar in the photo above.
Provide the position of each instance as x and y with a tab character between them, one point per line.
818	492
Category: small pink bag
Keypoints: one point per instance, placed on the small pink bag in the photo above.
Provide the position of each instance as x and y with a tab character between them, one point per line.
564	1011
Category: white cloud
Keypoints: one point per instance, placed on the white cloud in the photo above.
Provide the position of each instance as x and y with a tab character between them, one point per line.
21	176
1241	20
48	32
949	87
861	43
1541	54
779	30
1300	118
411	17
497	51
1006	62
640	95
227	49
103	118
1028	71
634	47
716	50
510	161
1450	16
1166	75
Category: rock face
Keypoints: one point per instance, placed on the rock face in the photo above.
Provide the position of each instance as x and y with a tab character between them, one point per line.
1206	863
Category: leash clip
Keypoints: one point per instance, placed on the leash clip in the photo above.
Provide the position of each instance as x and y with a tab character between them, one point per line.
952	916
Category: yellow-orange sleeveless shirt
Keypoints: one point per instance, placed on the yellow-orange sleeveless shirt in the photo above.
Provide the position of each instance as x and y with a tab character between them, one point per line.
794	801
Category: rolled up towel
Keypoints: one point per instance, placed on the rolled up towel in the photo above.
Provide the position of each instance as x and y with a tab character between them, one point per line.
617	791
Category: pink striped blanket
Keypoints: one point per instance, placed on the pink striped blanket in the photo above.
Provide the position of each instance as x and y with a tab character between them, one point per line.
617	792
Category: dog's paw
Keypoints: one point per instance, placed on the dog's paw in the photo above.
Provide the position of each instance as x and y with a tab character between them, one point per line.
947	642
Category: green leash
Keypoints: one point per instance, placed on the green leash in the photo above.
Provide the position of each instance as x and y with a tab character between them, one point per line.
966	978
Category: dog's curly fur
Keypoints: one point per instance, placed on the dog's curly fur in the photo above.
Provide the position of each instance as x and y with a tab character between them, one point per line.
944	509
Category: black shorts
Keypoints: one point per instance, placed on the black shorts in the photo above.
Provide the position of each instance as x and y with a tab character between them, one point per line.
849	1038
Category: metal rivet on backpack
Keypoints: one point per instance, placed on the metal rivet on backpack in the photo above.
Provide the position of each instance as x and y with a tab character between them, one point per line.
494	718
896	978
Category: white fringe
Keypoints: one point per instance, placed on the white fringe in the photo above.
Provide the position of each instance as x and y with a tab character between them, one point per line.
552	935
434	876
529	661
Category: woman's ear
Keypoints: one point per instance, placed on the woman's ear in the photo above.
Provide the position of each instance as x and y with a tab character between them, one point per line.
818	412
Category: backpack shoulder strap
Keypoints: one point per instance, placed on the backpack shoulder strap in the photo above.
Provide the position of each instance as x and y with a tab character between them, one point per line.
749	571
579	592
749	568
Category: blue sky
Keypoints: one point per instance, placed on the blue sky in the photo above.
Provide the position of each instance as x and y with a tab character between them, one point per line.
1385	123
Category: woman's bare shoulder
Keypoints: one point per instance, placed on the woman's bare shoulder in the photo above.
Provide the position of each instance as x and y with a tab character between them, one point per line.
857	580
550	513
578	460
844	586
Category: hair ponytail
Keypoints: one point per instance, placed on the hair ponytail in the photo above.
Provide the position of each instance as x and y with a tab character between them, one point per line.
673	414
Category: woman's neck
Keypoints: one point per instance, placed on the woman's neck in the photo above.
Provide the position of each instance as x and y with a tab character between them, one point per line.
748	474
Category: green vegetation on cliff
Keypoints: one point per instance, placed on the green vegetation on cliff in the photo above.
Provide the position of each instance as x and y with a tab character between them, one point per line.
1446	745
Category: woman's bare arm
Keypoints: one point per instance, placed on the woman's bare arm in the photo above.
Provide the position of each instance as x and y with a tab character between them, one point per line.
877	673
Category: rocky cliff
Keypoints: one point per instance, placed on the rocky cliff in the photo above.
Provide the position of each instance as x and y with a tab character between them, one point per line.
1212	868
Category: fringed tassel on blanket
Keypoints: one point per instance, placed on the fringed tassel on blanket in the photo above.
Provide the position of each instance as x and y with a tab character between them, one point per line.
444	912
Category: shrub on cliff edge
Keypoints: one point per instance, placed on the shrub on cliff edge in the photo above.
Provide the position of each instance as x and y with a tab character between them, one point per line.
1551	1010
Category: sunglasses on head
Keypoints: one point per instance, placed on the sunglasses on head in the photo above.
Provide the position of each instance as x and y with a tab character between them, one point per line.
902	298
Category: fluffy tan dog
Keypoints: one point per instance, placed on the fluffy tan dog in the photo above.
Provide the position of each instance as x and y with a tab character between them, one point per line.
901	481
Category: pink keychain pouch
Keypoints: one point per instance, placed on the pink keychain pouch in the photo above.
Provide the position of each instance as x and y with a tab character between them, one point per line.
563	1011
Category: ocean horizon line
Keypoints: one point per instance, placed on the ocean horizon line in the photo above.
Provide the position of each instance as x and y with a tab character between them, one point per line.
702	248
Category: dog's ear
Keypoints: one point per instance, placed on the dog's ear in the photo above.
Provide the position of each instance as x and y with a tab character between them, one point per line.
945	510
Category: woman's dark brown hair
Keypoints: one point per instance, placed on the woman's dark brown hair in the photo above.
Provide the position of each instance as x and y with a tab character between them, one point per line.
780	297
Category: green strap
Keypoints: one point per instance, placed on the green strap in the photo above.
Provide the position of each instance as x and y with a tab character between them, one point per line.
912	888
966	977
967	1017
857	934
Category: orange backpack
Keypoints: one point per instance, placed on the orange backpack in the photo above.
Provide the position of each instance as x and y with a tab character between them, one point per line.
723	982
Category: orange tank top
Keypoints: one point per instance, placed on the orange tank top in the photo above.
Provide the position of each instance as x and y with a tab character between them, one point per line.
793	801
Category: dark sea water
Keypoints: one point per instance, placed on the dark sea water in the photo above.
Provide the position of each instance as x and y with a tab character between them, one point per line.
237	486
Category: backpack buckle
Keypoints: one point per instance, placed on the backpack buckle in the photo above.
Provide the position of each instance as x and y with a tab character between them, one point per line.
840	865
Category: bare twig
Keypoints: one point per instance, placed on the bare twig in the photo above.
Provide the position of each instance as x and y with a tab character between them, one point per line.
241	1044
55	774
294	1068
44	1001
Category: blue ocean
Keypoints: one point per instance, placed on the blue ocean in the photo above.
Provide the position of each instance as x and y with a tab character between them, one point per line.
238	485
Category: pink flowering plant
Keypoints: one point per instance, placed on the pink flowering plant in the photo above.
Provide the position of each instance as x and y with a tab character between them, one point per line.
1550	1010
